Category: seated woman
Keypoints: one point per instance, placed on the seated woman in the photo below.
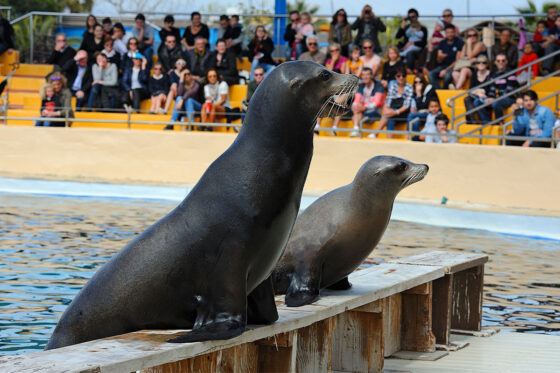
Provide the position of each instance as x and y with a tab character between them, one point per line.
216	95
260	51
132	50
423	95
397	103
158	86
50	105
174	77
223	60
390	66
188	99
135	82
112	55
94	44
479	96
336	62
105	84
472	48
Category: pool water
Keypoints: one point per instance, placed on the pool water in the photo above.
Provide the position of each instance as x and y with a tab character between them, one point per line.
51	246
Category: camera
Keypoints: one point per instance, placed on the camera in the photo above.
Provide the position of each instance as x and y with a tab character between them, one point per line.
368	11
519	111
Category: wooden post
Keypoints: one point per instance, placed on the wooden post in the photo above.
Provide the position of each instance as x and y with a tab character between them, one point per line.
358	340
466	311
441	308
392	319
416	331
314	347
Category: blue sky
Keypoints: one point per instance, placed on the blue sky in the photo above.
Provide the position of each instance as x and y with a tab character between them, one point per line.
328	6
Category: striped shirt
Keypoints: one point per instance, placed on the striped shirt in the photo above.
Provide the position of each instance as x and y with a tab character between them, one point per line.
394	93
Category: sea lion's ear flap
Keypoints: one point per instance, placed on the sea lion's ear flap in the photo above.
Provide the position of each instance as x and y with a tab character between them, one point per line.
295	83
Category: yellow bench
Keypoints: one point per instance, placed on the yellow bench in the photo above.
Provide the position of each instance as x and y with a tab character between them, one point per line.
36	70
6	59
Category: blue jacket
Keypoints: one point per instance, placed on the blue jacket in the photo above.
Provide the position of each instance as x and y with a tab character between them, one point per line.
545	120
126	81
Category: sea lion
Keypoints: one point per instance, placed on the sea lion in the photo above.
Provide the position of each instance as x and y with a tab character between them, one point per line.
334	235
207	265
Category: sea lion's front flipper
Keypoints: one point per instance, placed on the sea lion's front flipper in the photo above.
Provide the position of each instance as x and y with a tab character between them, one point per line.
261	307
304	287
343	284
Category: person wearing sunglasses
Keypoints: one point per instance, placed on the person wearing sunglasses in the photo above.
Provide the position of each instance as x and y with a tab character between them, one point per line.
423	106
340	31
368	26
313	53
170	53
480	96
371	60
466	58
63	54
290	34
502	86
415	38
336	62
397	103
174	82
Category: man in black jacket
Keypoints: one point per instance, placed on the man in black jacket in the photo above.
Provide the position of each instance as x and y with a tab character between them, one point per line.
368	26
198	59
6	36
62	55
79	78
411	49
290	34
170	53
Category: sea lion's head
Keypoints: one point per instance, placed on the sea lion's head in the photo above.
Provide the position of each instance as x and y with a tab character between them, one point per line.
389	174
302	91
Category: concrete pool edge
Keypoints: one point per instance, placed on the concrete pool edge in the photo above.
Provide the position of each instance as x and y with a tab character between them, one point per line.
408	210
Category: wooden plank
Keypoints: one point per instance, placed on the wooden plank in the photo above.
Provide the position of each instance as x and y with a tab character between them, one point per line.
314	347
375	307
451	261
441	308
278	340
416	327
145	349
358	342
392	318
414	355
278	359
467	299
423	289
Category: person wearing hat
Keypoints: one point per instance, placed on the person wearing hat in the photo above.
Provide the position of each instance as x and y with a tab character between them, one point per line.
80	78
134	83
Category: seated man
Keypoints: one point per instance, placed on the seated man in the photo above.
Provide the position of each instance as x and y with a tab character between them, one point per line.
236	36
80	78
170	53
368	101
198	60
63	54
532	120
503	86
313	53
505	46
6	36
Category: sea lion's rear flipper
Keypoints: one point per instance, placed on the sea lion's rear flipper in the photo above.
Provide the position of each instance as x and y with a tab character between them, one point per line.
343	284
261	307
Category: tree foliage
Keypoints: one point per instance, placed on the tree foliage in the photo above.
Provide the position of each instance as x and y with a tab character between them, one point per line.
21	7
531	8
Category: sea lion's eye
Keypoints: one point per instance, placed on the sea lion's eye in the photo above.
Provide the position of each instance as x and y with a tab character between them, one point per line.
325	75
401	166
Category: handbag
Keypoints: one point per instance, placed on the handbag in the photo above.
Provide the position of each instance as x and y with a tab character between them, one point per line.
397	103
462	63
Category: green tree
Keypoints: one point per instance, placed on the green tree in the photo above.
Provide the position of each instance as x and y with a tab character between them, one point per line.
531	8
21	7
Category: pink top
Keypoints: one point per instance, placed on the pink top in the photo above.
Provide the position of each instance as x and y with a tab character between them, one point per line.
372	63
341	61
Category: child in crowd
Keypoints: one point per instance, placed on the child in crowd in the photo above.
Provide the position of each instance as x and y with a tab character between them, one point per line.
49	105
541	38
434	110
390	66
414	34
528	57
445	135
355	65
158	86
174	78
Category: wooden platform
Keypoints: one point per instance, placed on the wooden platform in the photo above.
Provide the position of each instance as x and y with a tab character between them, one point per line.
387	311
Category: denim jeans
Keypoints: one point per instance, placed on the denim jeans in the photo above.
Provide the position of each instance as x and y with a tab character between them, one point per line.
42	123
482	113
95	91
267	68
433	76
416	125
191	107
500	105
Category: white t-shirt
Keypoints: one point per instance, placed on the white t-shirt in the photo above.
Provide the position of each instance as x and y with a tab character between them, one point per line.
215	92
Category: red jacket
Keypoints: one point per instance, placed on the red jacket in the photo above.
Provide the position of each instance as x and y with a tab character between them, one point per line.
528	58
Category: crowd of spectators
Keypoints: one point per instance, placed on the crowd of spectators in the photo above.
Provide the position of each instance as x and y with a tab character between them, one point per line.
113	69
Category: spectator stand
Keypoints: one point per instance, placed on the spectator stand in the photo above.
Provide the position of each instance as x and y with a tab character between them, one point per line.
494	132
399	309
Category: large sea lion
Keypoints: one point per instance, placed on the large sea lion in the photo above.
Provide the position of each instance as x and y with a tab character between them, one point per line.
334	235
207	265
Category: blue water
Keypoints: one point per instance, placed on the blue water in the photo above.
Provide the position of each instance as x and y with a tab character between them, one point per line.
50	246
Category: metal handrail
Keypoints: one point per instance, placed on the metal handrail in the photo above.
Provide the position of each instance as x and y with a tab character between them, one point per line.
451	101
